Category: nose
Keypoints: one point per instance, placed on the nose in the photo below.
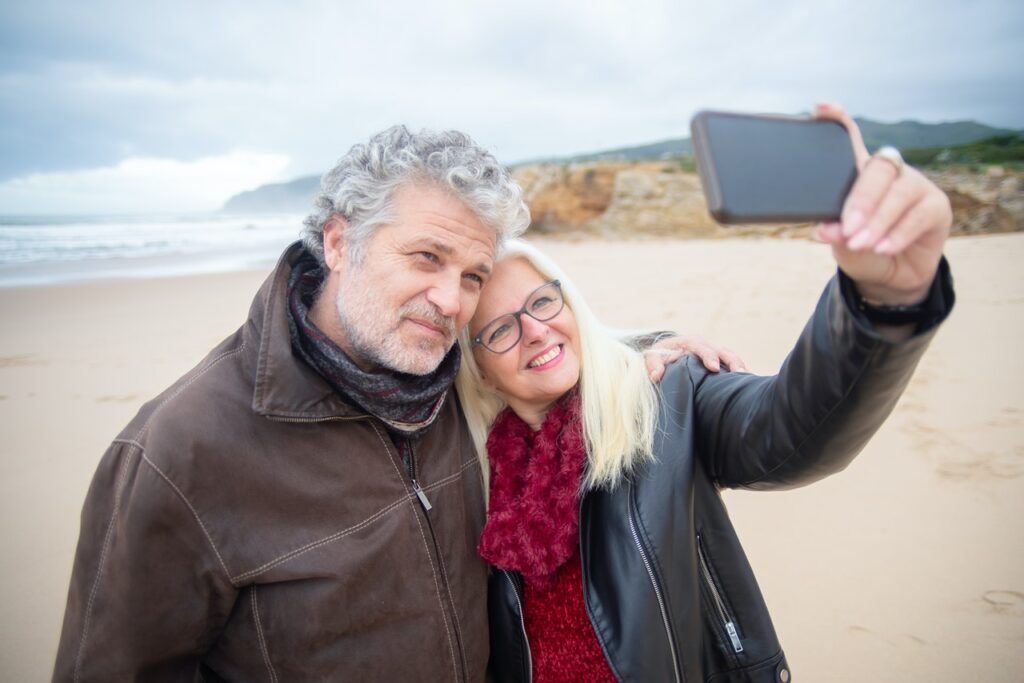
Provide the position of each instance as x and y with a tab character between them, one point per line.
446	298
533	330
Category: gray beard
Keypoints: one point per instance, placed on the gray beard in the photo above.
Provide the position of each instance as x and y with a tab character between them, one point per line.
375	339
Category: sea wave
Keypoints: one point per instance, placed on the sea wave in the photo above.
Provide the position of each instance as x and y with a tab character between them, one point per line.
35	249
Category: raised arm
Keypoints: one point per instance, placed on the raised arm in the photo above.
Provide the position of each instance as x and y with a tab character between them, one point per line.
859	349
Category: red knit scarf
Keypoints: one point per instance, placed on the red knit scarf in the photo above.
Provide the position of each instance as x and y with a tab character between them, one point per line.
533	517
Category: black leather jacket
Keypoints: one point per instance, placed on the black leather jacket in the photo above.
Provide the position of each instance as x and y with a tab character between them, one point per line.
667	586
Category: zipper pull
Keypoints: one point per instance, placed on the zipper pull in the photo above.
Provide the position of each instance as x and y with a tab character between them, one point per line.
421	494
733	636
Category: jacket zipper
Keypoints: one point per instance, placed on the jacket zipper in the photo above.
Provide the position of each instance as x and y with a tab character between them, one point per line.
522	625
726	619
654	584
411	466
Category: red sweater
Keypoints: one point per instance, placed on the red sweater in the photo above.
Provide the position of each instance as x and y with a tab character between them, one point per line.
533	528
562	641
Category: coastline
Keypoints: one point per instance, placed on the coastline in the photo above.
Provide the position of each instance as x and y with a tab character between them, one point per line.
904	567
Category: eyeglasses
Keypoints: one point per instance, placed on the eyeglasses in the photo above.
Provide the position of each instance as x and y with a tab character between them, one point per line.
503	333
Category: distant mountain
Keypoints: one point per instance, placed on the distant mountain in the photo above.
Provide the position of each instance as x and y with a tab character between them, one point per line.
293	196
656	150
912	134
297	195
903	135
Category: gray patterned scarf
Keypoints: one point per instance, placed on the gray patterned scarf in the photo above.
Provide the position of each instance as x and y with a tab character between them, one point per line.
407	404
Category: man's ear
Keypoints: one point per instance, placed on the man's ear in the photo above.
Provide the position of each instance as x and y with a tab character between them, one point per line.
334	242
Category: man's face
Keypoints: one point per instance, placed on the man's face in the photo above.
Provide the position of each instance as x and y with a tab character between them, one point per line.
417	284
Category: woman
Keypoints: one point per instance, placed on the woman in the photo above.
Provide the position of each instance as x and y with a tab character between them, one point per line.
615	558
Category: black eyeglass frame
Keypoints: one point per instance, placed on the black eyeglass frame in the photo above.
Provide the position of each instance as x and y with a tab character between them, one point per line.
518	315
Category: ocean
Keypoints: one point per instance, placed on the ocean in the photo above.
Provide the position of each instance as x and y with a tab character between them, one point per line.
38	250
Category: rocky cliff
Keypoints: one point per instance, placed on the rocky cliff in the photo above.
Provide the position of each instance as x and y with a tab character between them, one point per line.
659	199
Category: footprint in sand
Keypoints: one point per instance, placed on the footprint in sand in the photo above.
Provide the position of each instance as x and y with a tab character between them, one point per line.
984	466
20	361
1004	602
958	460
117	399
868	632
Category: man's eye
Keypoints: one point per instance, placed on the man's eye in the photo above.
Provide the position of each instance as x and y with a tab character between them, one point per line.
473	277
429	256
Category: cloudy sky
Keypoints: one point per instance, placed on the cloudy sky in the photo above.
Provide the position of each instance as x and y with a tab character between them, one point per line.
141	107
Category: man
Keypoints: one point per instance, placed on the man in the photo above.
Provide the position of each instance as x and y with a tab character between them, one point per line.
305	503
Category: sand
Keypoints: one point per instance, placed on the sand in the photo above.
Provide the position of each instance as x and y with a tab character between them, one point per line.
909	566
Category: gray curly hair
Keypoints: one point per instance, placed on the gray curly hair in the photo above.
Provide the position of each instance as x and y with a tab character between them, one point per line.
362	184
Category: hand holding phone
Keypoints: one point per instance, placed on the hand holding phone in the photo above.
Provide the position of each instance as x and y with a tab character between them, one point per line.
885	222
772	169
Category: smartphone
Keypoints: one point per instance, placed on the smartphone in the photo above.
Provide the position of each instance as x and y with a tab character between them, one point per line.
772	169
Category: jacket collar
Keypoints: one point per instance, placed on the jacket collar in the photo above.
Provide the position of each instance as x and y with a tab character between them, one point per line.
285	388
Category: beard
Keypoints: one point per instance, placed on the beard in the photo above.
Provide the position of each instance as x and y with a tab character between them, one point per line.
373	330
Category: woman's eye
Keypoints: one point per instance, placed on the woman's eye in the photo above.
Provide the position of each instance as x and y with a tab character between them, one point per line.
500	332
541	302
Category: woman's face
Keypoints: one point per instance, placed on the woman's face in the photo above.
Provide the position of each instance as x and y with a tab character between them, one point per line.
545	364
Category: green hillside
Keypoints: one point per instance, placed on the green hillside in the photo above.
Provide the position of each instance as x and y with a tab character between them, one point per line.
1007	150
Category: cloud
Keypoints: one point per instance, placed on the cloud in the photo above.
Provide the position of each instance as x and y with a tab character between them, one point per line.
89	85
142	185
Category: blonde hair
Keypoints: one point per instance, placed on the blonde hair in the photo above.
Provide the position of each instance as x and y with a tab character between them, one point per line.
618	402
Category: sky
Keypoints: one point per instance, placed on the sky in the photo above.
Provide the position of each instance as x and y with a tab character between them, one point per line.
130	107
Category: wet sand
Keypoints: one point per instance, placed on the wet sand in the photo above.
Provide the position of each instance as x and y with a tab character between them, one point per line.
909	566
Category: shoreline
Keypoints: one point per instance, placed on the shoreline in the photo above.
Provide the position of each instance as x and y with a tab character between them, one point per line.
904	567
71	272
225	261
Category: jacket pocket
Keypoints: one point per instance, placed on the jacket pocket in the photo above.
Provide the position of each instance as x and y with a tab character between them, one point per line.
726	627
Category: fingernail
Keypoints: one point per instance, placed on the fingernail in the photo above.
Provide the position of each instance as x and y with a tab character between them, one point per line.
886	246
853	221
859	241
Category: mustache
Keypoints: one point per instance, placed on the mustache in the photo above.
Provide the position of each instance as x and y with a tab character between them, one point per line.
426	311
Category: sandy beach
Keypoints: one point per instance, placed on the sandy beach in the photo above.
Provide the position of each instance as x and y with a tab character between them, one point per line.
909	566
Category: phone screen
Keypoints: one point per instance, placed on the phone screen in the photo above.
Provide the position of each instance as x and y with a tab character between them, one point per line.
772	169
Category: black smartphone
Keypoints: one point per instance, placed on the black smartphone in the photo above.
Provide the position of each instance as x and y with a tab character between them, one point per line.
772	169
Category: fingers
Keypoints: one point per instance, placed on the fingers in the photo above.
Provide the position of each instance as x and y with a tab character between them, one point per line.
708	356
829	233
655	370
829	110
733	361
914	224
895	201
671	349
657	360
867	193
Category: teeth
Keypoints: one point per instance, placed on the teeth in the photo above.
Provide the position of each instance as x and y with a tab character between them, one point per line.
549	356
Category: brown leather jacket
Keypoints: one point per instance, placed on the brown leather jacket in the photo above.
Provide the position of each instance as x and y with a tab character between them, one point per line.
248	525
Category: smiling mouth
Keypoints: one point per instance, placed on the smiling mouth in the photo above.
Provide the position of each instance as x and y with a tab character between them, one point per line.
546	358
